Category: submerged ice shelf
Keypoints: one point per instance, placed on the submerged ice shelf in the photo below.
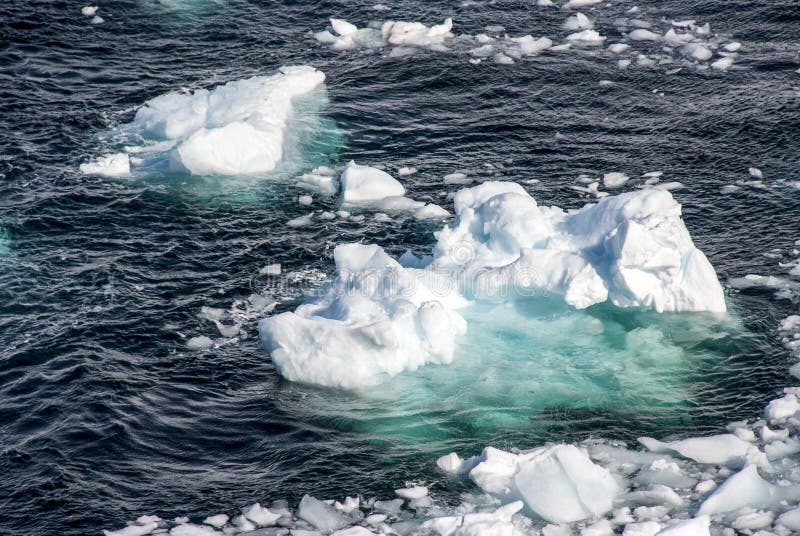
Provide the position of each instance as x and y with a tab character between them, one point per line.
239	128
382	316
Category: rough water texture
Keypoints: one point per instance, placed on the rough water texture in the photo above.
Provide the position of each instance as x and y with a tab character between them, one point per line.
108	413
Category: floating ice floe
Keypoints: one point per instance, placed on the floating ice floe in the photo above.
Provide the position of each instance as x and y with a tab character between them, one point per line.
235	129
367	186
382	316
114	165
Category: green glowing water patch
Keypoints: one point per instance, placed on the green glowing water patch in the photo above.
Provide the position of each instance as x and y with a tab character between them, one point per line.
526	365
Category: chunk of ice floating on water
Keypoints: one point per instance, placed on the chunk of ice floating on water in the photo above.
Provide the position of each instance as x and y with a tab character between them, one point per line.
379	317
113	165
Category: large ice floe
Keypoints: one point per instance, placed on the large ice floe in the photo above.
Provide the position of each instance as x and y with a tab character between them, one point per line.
381	316
239	128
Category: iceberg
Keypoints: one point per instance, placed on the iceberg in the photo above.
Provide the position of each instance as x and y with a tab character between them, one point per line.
380	316
238	128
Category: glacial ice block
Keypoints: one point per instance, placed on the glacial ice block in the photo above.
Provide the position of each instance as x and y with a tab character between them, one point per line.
234	129
380	317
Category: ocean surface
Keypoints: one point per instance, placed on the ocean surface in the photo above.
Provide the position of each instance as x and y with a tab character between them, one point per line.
105	414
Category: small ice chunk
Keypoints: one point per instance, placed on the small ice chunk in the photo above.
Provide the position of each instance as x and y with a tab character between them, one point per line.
698	526
113	165
343	28
643	35
586	37
456	178
133	530
271	269
724	449
780	409
89	11
321	184
416	492
393	506
746	489
754	520
675	39
403	171
362	184
217	521
351	531
705	486
729	189
615	180
790	519
577	488
321	515
646	528
657	494
755	173
450	463
502	59
723	63
305	200
618	48
579	21
782	449
301	221
376	519
732	47
669	186
97	19
528	46
190	529
768	435
544	3
350	504
261	516
199	343
582	3
697	51
431	212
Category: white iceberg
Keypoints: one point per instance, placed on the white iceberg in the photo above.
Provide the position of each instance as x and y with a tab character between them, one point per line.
238	128
380	317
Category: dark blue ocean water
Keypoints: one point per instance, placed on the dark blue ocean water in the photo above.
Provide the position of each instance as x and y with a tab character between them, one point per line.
105	416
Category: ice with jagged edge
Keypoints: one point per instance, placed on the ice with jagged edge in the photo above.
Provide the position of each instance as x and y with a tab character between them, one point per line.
381	316
238	128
